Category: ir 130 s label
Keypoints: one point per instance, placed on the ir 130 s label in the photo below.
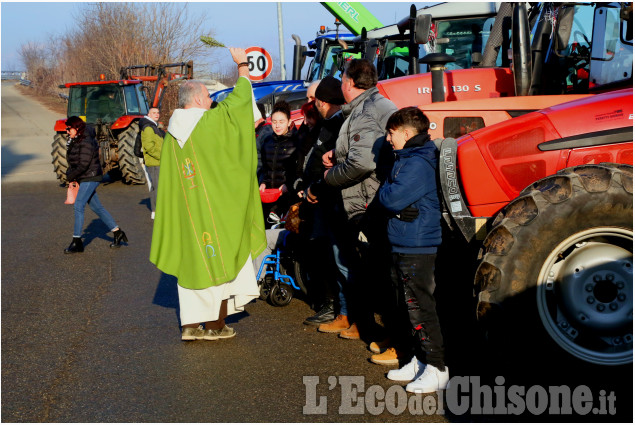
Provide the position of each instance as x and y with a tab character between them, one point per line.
455	89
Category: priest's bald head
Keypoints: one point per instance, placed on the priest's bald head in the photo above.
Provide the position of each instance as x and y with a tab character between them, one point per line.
194	94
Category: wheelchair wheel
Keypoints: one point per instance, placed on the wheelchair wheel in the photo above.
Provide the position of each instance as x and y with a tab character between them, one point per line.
265	287
281	294
301	276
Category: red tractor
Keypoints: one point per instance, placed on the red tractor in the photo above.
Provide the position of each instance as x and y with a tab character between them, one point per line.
553	192
542	173
536	171
114	108
549	192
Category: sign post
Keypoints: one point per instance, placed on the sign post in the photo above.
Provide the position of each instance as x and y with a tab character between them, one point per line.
260	63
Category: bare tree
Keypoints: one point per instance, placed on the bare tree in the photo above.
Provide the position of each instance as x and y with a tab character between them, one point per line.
109	36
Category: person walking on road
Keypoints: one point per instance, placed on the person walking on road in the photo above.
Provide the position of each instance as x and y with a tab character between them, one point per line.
82	154
209	224
152	142
414	230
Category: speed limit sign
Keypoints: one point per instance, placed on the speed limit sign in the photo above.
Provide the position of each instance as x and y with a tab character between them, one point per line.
260	63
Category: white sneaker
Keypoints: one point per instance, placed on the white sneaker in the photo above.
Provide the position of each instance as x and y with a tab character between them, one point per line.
430	381
409	372
152	215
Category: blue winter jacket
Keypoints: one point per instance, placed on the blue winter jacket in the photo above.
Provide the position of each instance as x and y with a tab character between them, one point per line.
412	182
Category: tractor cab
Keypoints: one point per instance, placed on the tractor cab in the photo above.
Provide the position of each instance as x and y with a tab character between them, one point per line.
107	101
397	49
326	50
113	108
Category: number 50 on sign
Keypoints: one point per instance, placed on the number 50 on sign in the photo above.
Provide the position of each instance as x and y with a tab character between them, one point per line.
260	63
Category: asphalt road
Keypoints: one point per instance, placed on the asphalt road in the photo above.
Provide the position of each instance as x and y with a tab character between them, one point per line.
27	134
94	337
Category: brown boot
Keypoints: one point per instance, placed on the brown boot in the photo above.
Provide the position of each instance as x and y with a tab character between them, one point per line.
379	346
336	326
350	333
390	357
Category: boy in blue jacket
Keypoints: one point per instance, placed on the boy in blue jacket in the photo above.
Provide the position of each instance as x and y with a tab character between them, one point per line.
414	231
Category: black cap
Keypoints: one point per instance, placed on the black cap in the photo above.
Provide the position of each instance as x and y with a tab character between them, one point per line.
330	91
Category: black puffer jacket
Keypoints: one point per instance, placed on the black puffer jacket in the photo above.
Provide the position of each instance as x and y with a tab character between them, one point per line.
280	156
82	154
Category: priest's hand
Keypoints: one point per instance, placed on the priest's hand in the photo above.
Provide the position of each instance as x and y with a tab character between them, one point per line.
284	189
238	55
262	187
240	58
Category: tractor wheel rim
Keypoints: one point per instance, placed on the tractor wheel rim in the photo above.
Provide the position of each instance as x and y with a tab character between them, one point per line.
585	295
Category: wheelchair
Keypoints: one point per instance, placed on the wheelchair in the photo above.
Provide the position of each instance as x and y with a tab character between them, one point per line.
274	283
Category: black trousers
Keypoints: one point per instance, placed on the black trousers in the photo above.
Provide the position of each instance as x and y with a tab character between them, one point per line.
414	275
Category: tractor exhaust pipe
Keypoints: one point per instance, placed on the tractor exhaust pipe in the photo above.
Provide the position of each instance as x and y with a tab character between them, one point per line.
413	47
436	62
521	50
298	57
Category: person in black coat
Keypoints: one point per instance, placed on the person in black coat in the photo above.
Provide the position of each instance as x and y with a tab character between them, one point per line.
82	154
329	221
280	155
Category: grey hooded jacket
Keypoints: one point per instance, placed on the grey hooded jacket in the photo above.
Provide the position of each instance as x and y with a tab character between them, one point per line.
357	149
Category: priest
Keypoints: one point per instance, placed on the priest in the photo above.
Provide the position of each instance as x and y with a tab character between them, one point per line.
209	222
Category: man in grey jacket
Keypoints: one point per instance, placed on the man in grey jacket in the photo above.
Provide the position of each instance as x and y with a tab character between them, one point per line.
352	167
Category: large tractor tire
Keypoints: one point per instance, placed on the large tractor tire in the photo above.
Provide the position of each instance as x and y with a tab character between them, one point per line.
60	164
558	268
131	169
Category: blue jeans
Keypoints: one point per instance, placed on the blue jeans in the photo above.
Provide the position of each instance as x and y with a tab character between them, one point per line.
87	195
343	251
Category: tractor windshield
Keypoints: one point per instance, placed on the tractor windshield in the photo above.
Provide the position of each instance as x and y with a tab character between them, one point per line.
393	60
105	102
460	38
330	65
136	102
319	71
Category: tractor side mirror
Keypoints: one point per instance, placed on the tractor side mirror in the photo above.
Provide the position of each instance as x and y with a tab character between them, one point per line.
422	28
371	47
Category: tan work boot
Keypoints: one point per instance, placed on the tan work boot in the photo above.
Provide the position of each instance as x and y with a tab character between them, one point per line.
336	326
350	333
390	357
379	346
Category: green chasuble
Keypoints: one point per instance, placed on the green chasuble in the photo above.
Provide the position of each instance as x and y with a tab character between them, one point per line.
208	215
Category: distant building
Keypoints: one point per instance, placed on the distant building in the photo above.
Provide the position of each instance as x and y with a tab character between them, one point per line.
13	75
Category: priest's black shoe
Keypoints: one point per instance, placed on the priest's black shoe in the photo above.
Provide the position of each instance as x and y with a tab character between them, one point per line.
120	236
76	246
325	315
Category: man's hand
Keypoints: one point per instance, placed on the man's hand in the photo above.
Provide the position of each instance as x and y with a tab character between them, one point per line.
311	199
408	214
327	159
262	187
283	188
238	54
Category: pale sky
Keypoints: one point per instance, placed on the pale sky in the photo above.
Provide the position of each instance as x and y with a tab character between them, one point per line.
235	24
